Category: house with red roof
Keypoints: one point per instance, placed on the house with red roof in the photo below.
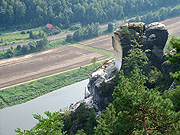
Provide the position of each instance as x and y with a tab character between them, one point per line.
50	27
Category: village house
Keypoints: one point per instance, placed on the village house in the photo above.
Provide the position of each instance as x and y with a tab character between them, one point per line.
50	27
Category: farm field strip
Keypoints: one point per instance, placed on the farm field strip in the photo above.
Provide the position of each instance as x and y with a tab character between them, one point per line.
173	26
97	50
103	42
171	20
44	63
29	90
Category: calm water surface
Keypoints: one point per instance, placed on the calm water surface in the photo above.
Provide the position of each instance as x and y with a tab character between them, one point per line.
20	116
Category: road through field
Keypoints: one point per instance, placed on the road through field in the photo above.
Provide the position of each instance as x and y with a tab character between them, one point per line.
25	68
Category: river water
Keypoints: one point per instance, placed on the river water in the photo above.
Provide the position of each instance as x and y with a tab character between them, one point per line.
20	116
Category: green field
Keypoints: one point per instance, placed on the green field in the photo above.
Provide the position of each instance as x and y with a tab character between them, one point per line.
13	38
52	44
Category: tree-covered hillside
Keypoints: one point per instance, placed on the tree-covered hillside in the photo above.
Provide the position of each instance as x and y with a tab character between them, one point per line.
32	13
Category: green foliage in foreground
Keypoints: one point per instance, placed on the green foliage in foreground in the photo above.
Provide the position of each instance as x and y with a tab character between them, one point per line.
58	123
47	126
135	110
138	110
174	57
82	119
27	91
174	95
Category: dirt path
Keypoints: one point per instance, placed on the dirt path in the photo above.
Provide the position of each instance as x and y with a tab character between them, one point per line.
25	68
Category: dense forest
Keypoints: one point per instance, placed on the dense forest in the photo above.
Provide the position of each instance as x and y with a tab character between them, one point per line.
63	13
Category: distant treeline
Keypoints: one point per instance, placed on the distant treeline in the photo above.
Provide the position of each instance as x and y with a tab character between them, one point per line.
63	13
162	14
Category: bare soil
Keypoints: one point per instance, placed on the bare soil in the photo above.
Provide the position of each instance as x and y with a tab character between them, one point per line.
102	42
25	68
173	26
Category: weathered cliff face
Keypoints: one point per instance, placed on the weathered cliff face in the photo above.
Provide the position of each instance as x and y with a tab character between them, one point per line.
101	85
152	37
103	80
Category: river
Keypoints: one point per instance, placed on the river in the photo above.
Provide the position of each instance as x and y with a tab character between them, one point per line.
20	116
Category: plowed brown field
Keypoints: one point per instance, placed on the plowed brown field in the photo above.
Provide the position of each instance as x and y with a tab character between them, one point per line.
25	68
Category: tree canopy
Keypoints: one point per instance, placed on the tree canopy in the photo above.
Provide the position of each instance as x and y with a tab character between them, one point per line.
138	110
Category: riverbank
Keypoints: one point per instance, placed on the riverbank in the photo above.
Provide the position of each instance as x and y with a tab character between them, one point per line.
21	115
27	91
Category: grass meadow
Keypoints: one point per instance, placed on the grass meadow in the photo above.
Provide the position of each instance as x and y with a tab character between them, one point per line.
13	38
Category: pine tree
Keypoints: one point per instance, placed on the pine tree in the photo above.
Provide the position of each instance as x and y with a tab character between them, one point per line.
138	110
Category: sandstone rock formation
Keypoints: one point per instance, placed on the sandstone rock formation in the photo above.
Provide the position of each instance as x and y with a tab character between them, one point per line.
152	36
103	80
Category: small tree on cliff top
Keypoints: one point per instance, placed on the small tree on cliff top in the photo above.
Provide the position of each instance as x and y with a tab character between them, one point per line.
110	27
94	60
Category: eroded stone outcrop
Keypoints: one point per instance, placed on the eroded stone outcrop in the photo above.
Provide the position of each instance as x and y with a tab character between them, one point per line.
152	37
103	80
101	86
